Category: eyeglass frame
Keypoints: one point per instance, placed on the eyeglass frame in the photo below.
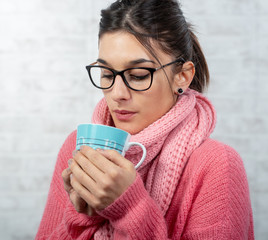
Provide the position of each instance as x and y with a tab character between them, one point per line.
121	73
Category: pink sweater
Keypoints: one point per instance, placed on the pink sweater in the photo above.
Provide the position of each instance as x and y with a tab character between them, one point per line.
211	202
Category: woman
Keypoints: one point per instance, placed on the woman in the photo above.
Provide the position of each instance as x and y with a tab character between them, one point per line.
153	72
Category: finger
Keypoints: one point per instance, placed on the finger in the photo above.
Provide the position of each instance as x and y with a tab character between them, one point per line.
116	178
85	171
66	179
83	192
84	183
94	163
102	186
79	204
100	189
86	164
95	156
116	158
125	173
90	211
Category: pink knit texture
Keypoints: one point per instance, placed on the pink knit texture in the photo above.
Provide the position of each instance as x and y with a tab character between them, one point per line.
175	136
189	187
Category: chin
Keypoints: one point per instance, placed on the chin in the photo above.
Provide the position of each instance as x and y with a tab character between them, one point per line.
128	127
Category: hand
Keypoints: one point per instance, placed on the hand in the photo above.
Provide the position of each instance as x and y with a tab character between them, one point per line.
100	176
79	204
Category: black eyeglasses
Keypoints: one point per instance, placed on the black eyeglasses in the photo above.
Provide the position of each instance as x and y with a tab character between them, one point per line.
137	79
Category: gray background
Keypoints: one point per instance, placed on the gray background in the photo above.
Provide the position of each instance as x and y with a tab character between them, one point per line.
45	93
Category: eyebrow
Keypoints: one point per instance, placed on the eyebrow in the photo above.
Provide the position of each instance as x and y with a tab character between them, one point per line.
133	62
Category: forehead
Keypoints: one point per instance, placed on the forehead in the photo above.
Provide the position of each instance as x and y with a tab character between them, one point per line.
122	46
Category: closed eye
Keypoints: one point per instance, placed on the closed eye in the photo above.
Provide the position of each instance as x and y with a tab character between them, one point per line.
107	76
139	77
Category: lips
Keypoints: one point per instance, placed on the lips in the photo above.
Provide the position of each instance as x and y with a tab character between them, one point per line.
124	115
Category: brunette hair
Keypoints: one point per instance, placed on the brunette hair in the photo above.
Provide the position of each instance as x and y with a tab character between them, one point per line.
160	20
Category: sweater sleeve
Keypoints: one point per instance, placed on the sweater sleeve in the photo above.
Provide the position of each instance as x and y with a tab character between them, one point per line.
135	215
60	220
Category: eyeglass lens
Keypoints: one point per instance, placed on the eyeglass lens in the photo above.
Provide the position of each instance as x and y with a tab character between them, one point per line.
138	79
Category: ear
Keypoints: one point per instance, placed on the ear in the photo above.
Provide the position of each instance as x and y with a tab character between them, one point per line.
184	78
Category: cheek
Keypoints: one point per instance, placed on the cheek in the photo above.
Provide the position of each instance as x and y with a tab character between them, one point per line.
157	102
161	92
107	97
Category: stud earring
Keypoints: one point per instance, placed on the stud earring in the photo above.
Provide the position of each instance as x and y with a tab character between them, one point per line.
180	91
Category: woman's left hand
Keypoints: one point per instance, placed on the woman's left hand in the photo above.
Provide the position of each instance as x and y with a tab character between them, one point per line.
100	176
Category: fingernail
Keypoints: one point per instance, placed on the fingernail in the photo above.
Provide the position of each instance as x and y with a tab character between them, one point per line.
100	150
71	176
74	152
81	148
70	162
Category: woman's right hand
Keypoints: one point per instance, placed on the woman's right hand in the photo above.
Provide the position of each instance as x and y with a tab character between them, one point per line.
79	203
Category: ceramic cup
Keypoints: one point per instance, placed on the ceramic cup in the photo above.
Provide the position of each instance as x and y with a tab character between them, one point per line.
105	137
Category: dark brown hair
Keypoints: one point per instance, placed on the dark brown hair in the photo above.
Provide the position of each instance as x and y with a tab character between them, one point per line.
160	20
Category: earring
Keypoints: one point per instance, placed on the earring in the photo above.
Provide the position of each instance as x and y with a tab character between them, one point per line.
180	91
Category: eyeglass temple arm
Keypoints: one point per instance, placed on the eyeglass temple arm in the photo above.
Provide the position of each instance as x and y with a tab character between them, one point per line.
93	63
175	61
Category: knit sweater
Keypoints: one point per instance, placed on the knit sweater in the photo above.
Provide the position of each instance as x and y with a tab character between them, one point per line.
211	201
188	187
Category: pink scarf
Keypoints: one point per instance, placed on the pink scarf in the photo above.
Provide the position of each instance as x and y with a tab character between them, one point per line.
169	142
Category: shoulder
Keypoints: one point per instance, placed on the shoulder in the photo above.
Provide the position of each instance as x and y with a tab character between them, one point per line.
216	157
216	174
214	150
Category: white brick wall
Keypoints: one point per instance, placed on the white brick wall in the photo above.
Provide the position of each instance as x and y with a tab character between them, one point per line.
45	93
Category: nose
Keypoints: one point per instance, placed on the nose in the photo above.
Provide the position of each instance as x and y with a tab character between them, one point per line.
119	90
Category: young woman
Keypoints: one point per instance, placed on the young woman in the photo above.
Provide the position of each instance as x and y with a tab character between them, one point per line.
152	72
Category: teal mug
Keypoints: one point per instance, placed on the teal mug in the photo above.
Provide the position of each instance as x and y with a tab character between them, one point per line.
106	137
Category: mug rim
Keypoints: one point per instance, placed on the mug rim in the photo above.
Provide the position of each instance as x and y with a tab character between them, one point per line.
102	125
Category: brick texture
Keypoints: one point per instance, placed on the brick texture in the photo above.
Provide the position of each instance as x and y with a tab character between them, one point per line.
45	93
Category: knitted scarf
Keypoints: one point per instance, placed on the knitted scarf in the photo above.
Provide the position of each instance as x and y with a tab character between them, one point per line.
169	142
